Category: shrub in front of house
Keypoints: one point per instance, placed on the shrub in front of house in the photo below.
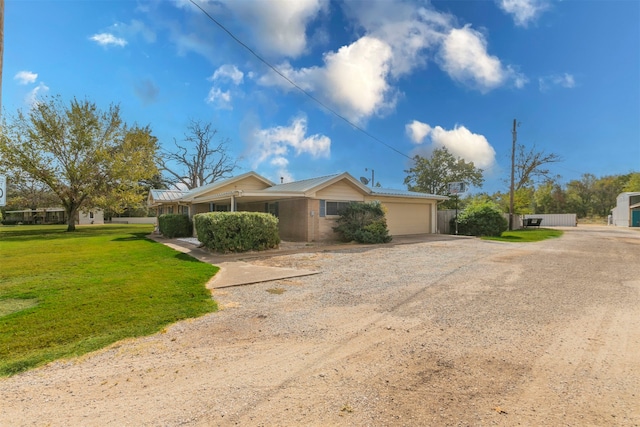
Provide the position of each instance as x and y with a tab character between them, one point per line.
364	223
480	219
237	231
175	225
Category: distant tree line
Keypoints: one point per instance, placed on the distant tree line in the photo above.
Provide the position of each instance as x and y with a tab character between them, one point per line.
588	196
536	190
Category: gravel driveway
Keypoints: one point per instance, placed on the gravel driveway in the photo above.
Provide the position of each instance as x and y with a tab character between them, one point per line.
455	332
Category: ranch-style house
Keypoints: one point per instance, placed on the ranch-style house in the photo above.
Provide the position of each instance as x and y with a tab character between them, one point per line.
306	209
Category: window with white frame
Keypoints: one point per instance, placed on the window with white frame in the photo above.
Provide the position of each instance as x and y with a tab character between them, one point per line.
332	208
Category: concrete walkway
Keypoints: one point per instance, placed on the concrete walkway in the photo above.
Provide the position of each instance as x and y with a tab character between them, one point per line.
236	271
233	270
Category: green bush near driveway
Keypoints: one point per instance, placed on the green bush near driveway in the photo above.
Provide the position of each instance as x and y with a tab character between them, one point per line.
363	222
480	219
65	294
237	231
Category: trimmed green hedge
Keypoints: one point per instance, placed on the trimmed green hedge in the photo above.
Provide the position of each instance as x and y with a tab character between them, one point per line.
175	225
237	231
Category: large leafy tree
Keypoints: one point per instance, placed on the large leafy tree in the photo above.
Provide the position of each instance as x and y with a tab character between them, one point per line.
633	183
581	195
433	174
198	159
87	157
550	198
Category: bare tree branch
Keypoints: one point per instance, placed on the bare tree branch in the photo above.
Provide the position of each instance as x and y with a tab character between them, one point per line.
530	165
198	160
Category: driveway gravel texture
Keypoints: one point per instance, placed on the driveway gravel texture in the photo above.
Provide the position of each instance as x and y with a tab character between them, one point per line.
453	331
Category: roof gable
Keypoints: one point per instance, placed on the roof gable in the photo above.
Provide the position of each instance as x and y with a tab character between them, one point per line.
246	181
309	187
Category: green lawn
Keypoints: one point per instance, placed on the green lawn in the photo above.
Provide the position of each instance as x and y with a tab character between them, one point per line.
527	235
64	294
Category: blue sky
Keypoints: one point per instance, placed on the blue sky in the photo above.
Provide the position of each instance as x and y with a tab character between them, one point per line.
415	75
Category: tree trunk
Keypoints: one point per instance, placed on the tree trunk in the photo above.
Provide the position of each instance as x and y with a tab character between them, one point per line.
71	219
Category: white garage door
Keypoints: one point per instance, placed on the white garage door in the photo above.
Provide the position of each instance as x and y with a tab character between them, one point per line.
408	218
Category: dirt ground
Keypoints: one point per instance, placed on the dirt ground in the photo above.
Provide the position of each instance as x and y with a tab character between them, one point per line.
449	332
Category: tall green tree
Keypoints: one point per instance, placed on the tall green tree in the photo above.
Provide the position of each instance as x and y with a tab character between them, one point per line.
87	157
580	195
633	183
606	190
433	174
549	198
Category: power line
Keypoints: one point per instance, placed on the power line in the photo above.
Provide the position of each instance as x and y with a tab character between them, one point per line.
294	84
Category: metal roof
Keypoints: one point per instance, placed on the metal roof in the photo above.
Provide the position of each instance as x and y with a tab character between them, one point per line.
295	187
300	186
167	195
404	193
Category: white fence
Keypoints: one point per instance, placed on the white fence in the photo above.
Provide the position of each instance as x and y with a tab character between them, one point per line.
548	220
136	220
556	220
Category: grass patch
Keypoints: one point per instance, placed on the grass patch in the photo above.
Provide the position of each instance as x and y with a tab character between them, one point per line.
65	294
276	291
527	235
13	305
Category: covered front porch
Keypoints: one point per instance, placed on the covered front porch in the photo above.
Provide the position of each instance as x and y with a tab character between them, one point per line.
297	216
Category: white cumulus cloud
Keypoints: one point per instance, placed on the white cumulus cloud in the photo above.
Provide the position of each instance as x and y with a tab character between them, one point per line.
465	58
358	79
417	131
25	77
275	144
228	72
353	79
524	11
107	39
460	142
410	31
278	27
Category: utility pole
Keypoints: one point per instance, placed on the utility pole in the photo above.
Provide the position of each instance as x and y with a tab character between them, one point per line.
1	48
513	167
